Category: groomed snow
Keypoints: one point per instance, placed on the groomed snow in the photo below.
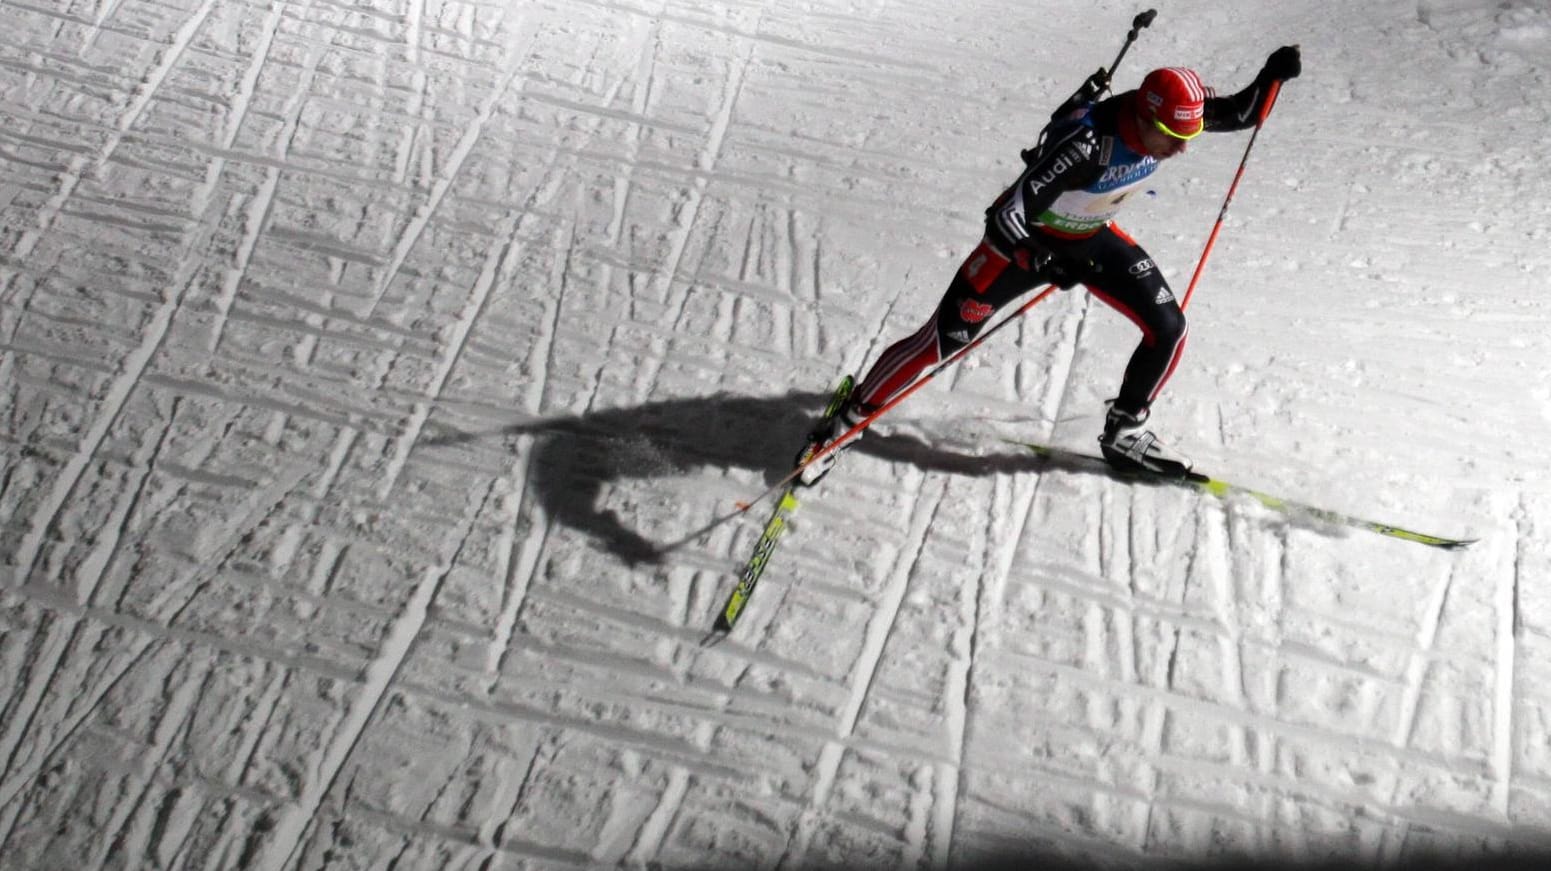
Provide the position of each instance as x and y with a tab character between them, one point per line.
360	362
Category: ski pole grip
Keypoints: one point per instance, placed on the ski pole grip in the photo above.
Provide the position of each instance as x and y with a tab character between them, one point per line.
1265	111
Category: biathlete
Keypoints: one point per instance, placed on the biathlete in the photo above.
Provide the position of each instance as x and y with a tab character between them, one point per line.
1055	225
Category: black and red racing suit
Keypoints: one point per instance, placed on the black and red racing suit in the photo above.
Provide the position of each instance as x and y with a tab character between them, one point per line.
1055	225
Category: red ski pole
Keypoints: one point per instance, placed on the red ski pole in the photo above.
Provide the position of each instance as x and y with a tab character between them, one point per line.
884	408
1276	87
741	508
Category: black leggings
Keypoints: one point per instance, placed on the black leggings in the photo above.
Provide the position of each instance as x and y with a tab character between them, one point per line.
1113	267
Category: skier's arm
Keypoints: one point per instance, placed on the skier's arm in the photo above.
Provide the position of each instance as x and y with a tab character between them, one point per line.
1240	111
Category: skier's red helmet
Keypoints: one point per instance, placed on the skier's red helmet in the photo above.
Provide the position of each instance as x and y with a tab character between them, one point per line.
1173	99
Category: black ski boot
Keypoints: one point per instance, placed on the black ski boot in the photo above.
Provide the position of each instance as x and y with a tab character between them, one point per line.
1129	447
841	415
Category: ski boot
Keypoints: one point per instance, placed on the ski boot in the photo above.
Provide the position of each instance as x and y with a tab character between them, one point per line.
1129	447
839	418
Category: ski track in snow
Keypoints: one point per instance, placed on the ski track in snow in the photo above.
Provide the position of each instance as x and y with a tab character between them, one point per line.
358	356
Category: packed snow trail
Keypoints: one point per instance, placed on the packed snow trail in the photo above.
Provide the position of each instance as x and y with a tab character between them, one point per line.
357	361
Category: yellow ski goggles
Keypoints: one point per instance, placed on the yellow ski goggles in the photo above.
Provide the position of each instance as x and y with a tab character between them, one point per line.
1164	128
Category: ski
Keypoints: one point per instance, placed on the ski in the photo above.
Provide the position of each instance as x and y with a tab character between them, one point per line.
785	507
1224	489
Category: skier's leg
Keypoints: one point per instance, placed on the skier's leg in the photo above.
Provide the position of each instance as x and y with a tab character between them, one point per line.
1124	277
987	280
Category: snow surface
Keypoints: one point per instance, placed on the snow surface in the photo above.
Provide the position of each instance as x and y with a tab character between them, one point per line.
359	361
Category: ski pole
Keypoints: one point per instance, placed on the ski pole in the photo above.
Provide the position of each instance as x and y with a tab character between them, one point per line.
883	409
1276	88
741	508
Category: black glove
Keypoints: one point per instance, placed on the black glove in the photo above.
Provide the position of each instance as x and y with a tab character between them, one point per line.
1086	94
1283	64
1096	84
1063	272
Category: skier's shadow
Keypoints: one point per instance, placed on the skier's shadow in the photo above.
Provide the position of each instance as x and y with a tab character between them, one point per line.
574	457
